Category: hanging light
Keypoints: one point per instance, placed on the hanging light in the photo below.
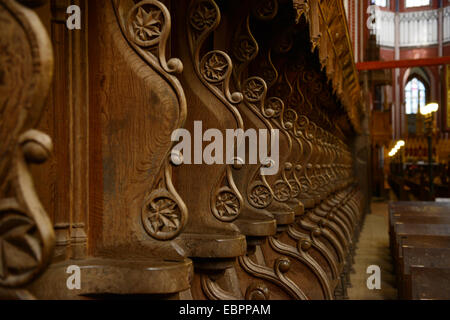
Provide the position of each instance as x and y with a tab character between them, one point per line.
429	108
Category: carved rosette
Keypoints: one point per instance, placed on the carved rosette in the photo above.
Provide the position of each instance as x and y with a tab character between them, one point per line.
164	214
161	216
227	206
214	66
245	47
281	191
265	9
254	89
259	195
205	15
226	201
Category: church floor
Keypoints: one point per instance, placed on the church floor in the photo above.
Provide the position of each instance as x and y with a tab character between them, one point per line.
373	249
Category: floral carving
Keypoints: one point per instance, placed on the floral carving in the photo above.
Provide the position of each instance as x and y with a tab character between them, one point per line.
203	16
227	205
162	217
20	249
290	115
148	25
266	9
260	196
281	191
214	67
245	49
254	90
274	107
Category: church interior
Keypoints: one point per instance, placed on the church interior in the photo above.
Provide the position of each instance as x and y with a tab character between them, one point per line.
351	99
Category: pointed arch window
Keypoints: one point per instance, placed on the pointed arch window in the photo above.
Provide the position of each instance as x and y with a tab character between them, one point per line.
415	96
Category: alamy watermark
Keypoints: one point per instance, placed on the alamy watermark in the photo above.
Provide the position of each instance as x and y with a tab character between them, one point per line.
74	280
374	280
74	20
231	150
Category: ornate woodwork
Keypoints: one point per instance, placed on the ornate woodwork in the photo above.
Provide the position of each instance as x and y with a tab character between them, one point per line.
27	236
140	218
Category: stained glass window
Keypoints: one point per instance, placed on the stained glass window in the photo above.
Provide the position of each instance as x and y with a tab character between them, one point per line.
415	96
380	3
416	3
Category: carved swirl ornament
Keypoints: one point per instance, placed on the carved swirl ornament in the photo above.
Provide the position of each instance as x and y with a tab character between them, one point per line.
273	108
276	275
245	47
26	63
147	27
214	69
164	214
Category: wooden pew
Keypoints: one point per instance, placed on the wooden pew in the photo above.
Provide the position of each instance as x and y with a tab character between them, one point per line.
424	257
430	283
421	241
420	245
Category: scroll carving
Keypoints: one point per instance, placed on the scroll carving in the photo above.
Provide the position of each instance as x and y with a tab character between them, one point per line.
227	201
26	65
275	275
257	291
213	291
147	26
164	213
215	69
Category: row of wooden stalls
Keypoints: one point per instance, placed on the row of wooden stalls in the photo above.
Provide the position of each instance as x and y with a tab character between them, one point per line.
108	196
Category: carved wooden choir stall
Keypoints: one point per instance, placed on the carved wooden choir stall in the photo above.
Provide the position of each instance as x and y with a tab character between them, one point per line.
112	200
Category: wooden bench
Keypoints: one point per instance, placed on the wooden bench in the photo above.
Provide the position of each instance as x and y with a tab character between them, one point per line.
430	283
424	257
403	229
420	245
